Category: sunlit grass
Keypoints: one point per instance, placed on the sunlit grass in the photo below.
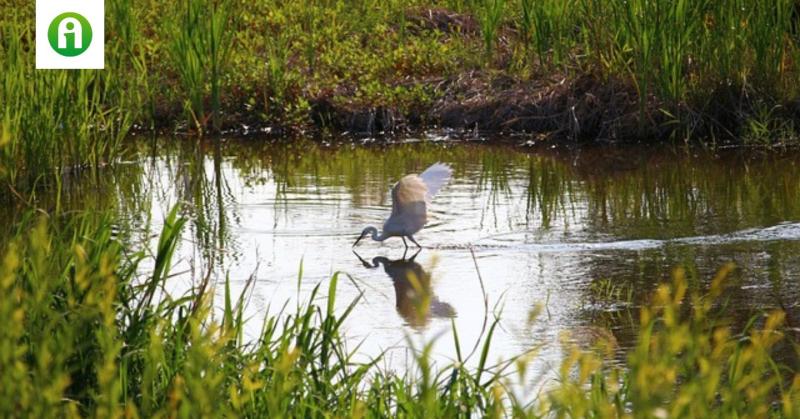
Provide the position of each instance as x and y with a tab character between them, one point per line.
267	62
56	122
86	335
199	44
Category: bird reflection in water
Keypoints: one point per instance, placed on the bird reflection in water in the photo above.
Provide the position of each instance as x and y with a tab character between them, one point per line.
415	300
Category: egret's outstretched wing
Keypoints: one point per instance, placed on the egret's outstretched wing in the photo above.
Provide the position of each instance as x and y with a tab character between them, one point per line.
435	177
410	197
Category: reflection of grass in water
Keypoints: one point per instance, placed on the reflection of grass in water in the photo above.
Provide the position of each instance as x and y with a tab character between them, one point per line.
550	190
369	172
93	339
654	195
210	197
658	197
374	169
118	191
674	195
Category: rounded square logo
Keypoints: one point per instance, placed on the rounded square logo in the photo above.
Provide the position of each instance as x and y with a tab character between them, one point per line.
70	34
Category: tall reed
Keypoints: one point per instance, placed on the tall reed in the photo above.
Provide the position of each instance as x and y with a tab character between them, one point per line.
200	41
88	333
490	15
54	121
545	25
682	49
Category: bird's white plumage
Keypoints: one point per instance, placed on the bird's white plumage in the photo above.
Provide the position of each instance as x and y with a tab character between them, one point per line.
410	197
435	177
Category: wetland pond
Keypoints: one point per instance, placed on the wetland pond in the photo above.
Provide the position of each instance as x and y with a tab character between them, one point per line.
583	237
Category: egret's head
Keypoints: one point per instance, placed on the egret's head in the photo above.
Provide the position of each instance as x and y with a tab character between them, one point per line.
365	232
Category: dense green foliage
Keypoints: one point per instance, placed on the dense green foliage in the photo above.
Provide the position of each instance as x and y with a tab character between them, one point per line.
268	62
85	335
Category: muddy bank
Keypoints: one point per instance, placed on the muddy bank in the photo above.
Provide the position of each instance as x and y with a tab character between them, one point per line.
559	108
577	105
581	109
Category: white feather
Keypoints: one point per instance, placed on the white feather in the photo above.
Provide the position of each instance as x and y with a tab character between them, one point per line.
410	198
435	177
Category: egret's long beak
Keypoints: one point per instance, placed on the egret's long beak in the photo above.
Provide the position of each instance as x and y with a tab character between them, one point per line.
358	240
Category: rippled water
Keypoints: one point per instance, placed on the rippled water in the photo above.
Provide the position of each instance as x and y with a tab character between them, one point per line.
586	236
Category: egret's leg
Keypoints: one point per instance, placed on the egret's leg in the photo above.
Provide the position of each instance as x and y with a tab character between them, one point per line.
414	241
404	241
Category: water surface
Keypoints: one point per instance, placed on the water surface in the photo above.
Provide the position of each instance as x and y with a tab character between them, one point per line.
585	236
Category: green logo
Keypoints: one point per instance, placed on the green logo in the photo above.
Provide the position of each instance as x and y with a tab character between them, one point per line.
69	34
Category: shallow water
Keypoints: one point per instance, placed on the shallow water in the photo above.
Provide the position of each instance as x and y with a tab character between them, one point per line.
585	235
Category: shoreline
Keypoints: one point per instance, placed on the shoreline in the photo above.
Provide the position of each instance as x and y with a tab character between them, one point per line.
579	110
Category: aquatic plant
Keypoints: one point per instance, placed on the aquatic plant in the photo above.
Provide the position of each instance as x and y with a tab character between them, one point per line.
87	334
687	363
545	25
55	121
695	68
200	40
490	13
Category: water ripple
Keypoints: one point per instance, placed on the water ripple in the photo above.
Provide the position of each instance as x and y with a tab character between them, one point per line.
784	232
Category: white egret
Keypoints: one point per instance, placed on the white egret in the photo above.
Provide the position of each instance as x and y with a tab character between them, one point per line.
410	198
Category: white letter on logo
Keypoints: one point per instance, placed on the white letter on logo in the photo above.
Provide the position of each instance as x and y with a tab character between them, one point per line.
69	25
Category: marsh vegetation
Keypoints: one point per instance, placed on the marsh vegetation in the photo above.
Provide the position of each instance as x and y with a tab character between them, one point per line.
187	273
548	289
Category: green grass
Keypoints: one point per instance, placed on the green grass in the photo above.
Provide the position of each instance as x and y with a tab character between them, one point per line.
698	68
490	15
199	43
87	335
55	122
